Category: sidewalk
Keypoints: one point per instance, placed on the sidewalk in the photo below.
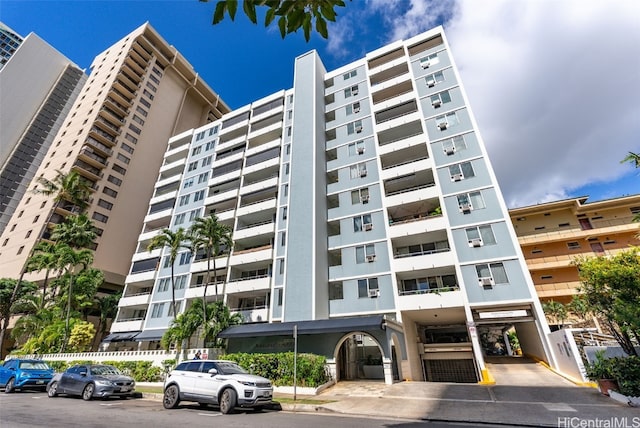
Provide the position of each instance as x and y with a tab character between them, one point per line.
537	397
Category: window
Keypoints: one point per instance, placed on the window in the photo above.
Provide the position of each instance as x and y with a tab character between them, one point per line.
283	239
35	219
207	161
447	121
213	130
20	213
284	213
356	148
350	74
13	227
470	201
281	266
452	145
135	128
29	234
150	86
188	183
353	108
181	281
360	196
491	273
202	178
6	241
285	190
145	102
461	171
100	217
200	135
368	288
434	79
119	169
574	245
104	204
192	166
138	119
157	310
480	235
148	94
196	150
184	200
180	218
286	168
336	291
351	91
354	127
210	145
184	258
131	138
194	214
20	250
109	191
123	158
164	284
198	196
358	171
127	148
365	253
362	222
429	60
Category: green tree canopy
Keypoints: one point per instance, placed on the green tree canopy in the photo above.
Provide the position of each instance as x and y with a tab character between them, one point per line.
291	14
71	187
611	288
78	231
12	303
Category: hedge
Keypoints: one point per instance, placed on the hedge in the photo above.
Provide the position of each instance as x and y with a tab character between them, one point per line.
278	367
141	371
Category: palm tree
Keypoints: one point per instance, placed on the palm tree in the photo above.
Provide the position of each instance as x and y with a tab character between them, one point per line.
43	258
108	306
70	259
555	310
215	238
78	231
182	328
70	187
174	241
221	318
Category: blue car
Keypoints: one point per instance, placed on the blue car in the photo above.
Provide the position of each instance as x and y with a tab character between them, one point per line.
24	373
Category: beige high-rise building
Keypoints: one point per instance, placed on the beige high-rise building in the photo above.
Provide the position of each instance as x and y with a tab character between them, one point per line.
140	92
553	234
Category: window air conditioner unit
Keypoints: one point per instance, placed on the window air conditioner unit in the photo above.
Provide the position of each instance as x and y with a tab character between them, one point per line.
487	282
436	103
354	90
425	64
371	258
450	150
356	109
456	177
465	208
364	199
431	83
475	242
359	129
363	173
368	226
360	150
443	125
374	293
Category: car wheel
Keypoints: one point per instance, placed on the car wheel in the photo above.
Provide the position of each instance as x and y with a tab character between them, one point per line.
11	386
87	393
228	401
53	390
171	397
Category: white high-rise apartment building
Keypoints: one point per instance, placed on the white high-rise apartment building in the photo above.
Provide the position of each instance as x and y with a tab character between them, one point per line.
365	213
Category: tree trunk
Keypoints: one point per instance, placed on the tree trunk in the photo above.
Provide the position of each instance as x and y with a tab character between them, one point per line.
206	285
44	289
66	321
173	292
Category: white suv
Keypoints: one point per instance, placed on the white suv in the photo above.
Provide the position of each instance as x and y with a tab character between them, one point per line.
216	382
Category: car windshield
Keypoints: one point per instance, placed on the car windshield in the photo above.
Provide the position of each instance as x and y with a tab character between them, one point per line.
230	368
104	370
34	365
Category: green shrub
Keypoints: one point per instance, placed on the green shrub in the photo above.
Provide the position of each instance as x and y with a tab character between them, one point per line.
311	371
626	371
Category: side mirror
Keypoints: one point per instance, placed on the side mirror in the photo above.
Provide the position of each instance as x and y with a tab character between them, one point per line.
13	368
213	372
84	373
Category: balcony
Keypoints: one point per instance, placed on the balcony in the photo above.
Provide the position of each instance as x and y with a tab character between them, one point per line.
256	229
86	170
435	259
417	223
98	146
123	90
123	100
127	324
107	126
240	285
87	155
102	136
196	291
252	315
445	297
251	255
140	299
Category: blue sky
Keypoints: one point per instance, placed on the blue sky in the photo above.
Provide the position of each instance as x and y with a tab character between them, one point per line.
556	95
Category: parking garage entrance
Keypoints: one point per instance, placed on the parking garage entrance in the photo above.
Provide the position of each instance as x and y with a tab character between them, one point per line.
359	358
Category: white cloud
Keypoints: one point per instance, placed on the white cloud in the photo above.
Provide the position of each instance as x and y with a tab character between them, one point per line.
554	85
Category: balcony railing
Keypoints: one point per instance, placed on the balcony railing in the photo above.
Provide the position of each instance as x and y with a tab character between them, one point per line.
249	226
251	250
405	162
411	189
428	291
421	253
247	278
413	217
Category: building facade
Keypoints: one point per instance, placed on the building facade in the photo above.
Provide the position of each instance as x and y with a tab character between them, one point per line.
9	43
366	218
140	91
553	234
46	84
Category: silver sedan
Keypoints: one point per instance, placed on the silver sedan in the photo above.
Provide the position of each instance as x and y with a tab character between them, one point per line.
91	381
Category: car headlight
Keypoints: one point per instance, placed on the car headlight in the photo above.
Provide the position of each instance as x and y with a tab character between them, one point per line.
24	374
104	382
247	383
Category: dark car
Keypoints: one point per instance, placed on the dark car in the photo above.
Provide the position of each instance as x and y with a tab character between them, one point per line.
92	381
21	373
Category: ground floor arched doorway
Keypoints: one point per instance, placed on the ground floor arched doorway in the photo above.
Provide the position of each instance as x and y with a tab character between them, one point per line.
359	357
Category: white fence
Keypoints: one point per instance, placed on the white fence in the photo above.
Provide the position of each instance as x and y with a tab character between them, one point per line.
156	356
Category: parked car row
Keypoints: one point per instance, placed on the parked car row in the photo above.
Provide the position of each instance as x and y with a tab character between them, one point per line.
217	382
